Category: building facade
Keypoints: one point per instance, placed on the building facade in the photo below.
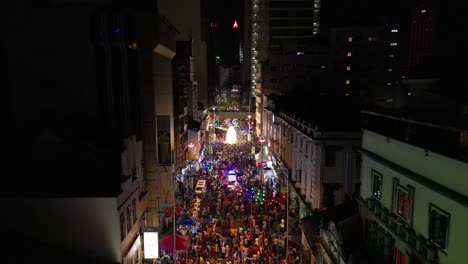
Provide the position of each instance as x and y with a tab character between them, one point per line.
413	203
321	163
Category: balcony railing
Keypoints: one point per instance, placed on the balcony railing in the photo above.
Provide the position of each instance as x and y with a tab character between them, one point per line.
426	250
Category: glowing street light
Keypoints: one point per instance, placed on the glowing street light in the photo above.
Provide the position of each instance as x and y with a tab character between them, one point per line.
231	136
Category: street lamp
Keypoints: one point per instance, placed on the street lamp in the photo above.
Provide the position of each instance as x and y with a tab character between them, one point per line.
248	125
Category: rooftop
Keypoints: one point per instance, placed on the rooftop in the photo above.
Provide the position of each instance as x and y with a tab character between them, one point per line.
327	112
442	132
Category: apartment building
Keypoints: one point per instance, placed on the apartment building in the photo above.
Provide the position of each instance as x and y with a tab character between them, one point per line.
414	204
317	150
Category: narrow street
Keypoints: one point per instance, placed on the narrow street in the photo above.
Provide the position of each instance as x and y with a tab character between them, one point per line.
240	216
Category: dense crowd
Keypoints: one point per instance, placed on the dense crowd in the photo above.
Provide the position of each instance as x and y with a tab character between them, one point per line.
241	225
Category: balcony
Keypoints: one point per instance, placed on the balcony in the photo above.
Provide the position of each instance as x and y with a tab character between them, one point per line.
422	247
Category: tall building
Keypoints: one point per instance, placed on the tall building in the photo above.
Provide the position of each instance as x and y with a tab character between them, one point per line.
190	19
84	185
225	40
182	87
421	39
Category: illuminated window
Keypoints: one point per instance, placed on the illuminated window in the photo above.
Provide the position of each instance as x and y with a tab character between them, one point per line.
400	257
423	11
376	184
389	83
390	69
348	68
391	55
348	81
393	44
402	205
372	39
348	54
350	39
394	30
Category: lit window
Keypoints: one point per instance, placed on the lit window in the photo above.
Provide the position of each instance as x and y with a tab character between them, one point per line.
394	30
300	53
348	81
393	44
376	184
348	68
400	257
372	39
391	55
350	39
439	221
389	83
348	54
390	69
402	202
323	66
423	11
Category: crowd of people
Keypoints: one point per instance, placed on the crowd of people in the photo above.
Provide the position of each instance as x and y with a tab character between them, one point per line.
245	224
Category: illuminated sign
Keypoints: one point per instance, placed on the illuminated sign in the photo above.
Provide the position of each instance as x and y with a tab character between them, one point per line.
151	245
235	24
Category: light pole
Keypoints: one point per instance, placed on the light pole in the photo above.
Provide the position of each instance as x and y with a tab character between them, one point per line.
173	218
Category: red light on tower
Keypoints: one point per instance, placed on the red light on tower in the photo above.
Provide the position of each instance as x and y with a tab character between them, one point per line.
235	24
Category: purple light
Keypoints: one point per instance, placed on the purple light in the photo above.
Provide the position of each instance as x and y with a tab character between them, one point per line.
116	30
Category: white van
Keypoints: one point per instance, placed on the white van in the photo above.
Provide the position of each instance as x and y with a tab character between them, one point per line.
200	187
232	182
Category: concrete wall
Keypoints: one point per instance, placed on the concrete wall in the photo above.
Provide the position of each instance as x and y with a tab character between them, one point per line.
88	227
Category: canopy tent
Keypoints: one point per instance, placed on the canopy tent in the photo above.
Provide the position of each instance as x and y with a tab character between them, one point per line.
186	220
167	242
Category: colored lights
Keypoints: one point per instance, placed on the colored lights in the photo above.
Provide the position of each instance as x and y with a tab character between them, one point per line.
235	24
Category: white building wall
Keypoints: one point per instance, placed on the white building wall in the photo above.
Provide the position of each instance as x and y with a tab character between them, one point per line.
423	195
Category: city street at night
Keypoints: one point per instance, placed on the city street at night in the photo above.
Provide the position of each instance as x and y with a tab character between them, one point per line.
240	217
